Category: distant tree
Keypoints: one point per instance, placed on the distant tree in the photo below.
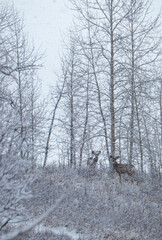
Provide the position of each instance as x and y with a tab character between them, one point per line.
56	99
25	62
74	113
142	52
71	101
20	119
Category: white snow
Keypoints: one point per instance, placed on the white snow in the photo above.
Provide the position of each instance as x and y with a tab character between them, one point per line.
59	231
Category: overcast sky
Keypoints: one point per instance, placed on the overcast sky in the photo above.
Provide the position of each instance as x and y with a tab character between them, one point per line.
46	21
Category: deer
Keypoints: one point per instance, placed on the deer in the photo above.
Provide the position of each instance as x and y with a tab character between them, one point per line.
122	168
92	161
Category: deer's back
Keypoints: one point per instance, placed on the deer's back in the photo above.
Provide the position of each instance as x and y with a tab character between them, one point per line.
124	168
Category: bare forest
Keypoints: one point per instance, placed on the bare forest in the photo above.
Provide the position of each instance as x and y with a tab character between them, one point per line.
84	163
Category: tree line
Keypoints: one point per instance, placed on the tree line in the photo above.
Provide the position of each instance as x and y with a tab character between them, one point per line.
111	99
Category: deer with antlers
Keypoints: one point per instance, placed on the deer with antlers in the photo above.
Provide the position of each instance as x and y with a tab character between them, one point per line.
122	168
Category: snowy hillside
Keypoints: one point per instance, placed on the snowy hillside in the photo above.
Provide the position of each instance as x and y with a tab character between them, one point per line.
96	206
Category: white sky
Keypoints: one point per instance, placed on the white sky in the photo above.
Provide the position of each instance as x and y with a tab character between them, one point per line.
46	21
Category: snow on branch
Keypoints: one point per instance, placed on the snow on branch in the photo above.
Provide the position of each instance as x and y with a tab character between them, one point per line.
20	230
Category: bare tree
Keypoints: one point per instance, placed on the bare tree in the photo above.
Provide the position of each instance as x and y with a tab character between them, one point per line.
60	93
102	21
142	49
16	123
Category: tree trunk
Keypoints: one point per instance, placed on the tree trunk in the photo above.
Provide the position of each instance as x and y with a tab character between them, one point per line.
112	101
132	95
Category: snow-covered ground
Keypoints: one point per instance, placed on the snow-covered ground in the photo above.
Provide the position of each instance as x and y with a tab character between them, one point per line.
96	206
72	234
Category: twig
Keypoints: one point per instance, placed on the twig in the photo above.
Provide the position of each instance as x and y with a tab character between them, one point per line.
4	224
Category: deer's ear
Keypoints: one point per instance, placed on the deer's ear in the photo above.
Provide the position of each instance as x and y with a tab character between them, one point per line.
117	157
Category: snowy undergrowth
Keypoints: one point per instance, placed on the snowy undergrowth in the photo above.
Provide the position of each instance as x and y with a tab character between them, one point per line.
96	205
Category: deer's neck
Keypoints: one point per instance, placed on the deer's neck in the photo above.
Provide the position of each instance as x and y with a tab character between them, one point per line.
115	164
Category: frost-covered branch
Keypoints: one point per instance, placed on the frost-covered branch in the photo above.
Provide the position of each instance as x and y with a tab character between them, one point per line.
20	231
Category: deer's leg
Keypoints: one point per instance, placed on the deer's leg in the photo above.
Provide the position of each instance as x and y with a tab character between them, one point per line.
120	177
